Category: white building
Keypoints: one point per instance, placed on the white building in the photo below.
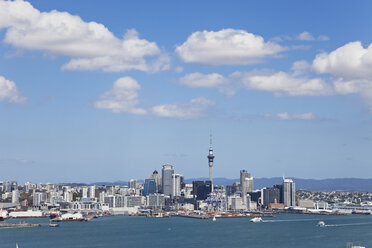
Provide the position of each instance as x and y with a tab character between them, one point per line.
289	193
15	196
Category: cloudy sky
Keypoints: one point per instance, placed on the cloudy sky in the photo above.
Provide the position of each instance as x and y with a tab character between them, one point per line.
112	90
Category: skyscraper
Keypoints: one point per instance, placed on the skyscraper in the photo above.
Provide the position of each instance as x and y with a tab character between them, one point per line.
167	179
177	180
289	193
201	190
155	175
246	184
210	161
149	187
270	195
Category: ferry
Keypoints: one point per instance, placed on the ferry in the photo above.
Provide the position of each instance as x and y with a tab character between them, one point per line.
321	224
256	220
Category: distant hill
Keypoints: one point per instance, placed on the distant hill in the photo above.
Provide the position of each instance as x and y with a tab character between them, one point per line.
332	184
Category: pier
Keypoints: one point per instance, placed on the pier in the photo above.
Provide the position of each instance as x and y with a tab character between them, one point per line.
20	225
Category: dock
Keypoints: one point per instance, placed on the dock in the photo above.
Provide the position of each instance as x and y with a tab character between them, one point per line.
21	225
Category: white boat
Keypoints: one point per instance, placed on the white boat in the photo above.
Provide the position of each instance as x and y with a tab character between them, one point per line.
321	224
54	225
256	219
214	218
16	245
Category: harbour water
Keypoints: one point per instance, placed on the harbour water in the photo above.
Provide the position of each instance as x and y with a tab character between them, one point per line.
285	230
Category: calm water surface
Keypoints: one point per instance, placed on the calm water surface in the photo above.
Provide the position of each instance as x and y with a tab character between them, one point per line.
282	231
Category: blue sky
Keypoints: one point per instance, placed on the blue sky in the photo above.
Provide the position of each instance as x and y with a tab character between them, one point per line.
111	91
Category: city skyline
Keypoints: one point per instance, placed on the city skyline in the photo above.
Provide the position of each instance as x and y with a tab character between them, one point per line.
105	92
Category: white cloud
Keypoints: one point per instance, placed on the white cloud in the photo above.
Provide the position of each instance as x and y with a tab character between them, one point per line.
279	83
282	83
305	36
350	66
90	45
309	37
213	80
9	91
196	108
123	97
351	61
300	67
305	116
227	46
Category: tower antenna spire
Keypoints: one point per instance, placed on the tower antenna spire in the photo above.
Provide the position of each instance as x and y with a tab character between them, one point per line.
210	161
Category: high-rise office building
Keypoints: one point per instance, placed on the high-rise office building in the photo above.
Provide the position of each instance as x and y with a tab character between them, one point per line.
92	191
246	184
270	195
289	193
84	192
201	189
177	182
15	196
210	161
155	175
149	187
167	179
132	183
155	201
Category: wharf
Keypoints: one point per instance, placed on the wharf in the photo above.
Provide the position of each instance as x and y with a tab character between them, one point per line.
21	225
90	217
192	216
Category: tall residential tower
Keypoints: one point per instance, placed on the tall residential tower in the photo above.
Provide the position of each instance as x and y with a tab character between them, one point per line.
210	162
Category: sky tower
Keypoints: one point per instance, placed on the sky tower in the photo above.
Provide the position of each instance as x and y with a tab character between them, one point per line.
210	161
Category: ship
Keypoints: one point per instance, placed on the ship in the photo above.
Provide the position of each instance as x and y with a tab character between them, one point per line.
69	218
256	220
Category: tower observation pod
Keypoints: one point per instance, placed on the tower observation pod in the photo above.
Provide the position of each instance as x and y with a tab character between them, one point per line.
210	162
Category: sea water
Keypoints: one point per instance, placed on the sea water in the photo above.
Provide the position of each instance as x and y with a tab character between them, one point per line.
284	230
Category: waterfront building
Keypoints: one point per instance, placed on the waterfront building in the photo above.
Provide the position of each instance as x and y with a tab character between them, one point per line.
155	175
119	201
167	179
210	161
134	201
235	203
246	184
289	193
270	195
149	187
156	201
110	201
177	182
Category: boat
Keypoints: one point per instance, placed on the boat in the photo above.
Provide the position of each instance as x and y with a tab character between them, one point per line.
321	224
16	245
54	225
256	220
214	218
69	217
